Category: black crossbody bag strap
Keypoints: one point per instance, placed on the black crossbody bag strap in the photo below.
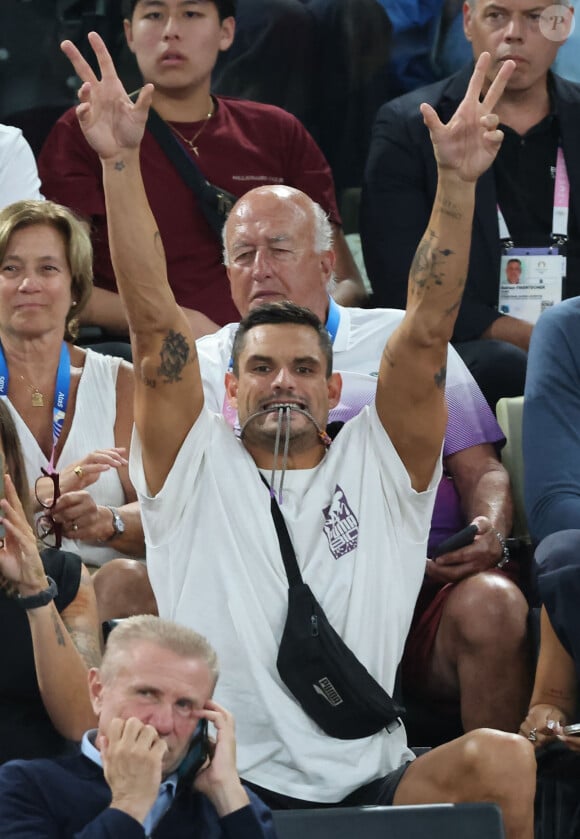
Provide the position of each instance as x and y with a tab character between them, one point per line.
185	165
286	546
214	202
319	669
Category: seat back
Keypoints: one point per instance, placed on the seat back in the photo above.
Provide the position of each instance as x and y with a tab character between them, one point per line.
509	412
453	821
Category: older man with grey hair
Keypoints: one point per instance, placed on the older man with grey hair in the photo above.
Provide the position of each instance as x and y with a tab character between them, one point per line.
277	246
149	768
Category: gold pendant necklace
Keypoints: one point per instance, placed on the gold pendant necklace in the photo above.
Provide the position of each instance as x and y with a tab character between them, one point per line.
191	143
36	397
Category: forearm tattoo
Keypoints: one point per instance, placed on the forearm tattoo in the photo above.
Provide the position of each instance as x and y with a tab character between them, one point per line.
559	695
174	356
450	209
58	629
87	645
441	377
428	264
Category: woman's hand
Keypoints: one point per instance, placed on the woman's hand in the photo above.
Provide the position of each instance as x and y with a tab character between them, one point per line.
20	562
82	518
82	473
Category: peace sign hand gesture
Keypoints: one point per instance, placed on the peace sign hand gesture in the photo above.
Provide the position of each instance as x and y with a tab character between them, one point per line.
470	141
110	121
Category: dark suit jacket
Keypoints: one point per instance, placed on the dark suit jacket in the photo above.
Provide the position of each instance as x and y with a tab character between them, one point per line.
399	190
69	797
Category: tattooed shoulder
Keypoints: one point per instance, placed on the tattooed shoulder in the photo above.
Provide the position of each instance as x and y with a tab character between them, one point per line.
388	355
174	355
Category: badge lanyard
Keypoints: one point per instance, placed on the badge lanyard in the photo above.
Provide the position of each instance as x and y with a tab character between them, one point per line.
333	319
560	211
61	394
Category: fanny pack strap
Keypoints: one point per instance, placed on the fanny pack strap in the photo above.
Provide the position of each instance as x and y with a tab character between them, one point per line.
188	169
185	165
286	546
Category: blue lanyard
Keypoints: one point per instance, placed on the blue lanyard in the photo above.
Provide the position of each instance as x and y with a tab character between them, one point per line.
333	319
60	395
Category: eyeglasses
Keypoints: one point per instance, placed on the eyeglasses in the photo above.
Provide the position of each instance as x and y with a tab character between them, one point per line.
48	530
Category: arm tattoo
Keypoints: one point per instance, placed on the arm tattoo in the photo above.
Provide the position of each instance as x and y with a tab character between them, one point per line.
57	629
388	355
559	694
452	308
119	166
174	355
441	377
421	264
428	263
450	209
86	643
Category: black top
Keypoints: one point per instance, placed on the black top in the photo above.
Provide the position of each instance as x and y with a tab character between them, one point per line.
25	728
401	181
525	170
69	796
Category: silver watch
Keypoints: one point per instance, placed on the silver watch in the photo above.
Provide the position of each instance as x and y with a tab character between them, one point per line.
118	523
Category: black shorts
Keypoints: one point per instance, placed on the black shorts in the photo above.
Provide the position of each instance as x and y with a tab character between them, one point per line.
380	791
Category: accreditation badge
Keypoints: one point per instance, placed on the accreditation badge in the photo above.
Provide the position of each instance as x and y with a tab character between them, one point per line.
531	280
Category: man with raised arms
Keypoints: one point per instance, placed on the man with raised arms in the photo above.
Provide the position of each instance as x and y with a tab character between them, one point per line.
213	553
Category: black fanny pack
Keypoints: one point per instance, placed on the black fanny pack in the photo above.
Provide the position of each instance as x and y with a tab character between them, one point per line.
324	675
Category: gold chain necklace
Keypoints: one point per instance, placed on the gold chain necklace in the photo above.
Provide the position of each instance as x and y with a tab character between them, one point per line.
197	135
36	396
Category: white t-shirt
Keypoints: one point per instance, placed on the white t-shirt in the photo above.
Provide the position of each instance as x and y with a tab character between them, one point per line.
92	428
18	173
214	562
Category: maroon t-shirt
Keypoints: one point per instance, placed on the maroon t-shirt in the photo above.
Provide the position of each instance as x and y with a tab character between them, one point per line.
243	145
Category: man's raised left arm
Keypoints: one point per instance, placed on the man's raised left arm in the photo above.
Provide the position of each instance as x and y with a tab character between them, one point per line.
411	387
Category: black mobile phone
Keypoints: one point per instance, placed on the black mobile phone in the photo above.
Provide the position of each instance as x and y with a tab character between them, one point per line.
572	730
196	756
458	540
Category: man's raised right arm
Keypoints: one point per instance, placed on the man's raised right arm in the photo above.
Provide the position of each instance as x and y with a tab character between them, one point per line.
168	388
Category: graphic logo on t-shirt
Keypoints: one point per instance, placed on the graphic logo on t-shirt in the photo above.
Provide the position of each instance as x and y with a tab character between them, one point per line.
341	525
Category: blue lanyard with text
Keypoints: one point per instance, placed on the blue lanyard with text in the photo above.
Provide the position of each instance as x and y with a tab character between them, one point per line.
60	395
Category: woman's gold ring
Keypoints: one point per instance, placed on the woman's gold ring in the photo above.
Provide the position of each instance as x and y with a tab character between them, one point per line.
78	470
